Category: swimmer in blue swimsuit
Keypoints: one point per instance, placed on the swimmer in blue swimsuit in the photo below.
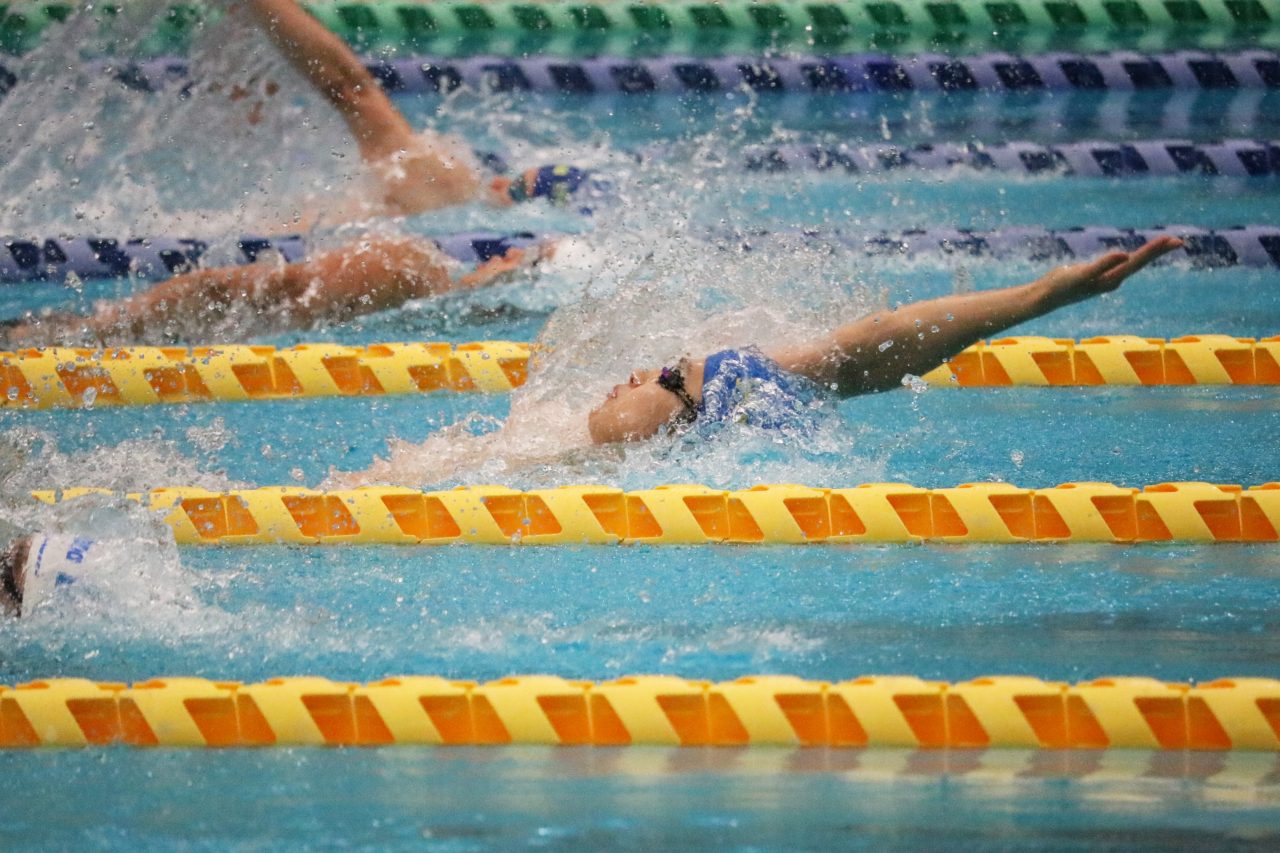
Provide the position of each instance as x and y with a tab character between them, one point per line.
746	386
770	389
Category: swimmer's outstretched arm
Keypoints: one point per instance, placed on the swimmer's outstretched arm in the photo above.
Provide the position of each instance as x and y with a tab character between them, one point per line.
373	275
875	352
430	176
326	61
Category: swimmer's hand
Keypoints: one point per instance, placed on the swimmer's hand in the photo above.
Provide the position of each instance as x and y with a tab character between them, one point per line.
507	266
1077	282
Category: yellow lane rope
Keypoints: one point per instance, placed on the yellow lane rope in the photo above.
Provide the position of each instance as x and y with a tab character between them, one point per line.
75	377
1114	360
62	377
692	514
895	711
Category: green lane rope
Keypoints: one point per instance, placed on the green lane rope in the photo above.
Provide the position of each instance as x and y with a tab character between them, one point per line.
512	26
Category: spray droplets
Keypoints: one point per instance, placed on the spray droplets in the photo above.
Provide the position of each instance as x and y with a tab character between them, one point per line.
914	384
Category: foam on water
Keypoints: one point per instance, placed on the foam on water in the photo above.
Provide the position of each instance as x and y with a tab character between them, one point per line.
30	460
137	592
650	294
137	587
244	145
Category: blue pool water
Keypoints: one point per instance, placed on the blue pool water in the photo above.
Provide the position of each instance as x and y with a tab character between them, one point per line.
631	799
648	291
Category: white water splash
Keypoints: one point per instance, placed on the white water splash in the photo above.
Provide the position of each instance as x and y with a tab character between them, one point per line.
650	294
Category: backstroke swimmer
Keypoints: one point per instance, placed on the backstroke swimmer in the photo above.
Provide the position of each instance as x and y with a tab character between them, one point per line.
770	389
414	173
374	274
868	355
34	565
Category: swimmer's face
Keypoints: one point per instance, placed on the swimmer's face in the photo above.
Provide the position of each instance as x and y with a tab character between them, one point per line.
634	410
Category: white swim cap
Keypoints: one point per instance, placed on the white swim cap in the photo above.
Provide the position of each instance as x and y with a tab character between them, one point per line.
52	561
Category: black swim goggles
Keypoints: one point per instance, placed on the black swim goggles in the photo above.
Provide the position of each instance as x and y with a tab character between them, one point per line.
672	379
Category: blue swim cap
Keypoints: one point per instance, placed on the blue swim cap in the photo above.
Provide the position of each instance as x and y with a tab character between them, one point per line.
554	183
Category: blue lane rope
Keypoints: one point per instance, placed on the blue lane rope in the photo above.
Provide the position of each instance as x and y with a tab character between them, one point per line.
1154	157
1245	245
837	74
53	259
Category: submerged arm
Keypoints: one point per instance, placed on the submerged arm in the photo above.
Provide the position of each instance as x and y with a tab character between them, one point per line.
374	274
875	352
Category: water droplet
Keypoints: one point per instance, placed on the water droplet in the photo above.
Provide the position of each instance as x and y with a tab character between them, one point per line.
89	397
914	384
884	345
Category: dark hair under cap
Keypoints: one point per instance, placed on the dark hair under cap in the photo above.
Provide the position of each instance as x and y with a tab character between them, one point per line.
672	379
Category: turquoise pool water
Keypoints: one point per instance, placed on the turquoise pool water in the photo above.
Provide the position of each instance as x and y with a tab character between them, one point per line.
647	290
469	799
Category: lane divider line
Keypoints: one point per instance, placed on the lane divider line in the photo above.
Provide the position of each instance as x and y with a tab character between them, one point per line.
893	711
700	515
71	377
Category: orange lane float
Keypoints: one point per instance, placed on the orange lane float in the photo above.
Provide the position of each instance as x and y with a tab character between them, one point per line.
894	711
698	515
60	377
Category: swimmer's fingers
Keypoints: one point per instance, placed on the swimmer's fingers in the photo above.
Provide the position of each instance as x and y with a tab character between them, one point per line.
1075	282
1094	274
1107	272
497	268
1133	261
